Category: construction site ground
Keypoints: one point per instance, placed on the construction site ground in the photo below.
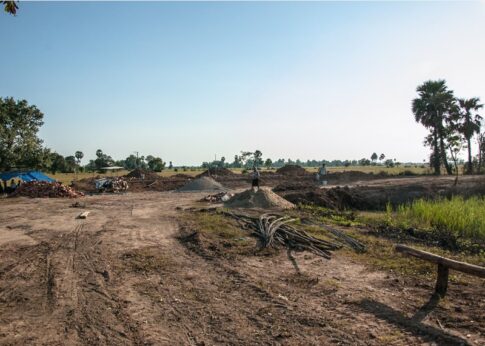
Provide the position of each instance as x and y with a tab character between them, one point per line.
136	271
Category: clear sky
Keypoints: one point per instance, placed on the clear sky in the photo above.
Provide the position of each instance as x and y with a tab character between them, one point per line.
186	81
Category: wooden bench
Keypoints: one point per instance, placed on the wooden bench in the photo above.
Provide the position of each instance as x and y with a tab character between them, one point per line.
444	264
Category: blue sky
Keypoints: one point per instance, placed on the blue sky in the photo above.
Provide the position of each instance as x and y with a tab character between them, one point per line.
187	81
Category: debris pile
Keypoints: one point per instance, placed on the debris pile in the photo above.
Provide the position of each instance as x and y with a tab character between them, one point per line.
202	184
217	171
292	170
36	189
117	184
274	230
139	173
262	198
217	197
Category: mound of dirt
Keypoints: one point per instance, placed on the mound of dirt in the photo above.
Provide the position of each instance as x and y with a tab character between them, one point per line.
335	198
139	173
294	186
292	170
179	176
223	172
43	189
263	198
375	197
202	184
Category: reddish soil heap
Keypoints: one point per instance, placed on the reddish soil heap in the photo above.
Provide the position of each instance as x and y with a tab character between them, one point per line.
45	189
292	170
139	173
217	171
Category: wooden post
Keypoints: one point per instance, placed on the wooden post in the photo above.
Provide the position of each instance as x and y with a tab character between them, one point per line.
444	265
442	280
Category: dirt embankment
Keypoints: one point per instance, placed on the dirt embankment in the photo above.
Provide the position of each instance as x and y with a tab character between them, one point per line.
376	196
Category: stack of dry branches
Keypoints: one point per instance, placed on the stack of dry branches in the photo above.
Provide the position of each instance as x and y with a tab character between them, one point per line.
273	230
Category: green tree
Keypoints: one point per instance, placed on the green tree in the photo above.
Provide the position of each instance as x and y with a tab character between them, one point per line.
258	158
382	157
102	160
432	109
79	156
19	144
58	163
389	163
156	164
268	163
374	157
10	7
469	124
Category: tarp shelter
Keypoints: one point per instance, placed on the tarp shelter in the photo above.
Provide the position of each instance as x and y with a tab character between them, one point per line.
26	176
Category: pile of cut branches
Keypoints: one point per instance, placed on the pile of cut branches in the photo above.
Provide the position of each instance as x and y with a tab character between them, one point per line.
274	230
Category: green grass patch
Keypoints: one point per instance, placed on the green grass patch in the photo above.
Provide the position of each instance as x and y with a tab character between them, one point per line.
463	217
381	255
218	225
325	215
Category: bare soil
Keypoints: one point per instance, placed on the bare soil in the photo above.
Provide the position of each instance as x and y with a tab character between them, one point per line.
137	271
376	194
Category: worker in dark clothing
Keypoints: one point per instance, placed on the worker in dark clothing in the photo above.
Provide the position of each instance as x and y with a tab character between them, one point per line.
255	182
12	186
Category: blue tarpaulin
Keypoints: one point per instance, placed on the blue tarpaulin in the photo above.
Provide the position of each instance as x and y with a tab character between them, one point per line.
26	176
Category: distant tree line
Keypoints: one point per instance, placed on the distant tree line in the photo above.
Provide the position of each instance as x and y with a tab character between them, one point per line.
248	159
20	147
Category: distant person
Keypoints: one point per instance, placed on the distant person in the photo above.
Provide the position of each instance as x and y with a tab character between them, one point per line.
256	176
2	190
11	187
19	182
322	175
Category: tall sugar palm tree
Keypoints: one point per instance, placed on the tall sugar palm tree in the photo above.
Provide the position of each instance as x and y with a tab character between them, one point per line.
431	108
469	123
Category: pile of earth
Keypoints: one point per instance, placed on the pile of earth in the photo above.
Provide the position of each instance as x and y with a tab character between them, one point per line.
377	197
217	171
202	184
180	176
263	198
352	176
139	173
294	186
36	189
292	170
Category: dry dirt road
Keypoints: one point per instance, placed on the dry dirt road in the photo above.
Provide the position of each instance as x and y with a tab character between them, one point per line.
123	276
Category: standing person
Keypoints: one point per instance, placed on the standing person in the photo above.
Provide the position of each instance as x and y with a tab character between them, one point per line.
321	175
255	183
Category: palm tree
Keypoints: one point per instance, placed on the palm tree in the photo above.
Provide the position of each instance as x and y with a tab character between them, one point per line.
432	108
79	155
10	7
469	123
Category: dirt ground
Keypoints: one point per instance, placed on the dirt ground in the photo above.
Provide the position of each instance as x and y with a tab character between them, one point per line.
135	273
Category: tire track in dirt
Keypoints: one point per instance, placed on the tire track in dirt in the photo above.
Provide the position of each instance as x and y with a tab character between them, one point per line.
265	301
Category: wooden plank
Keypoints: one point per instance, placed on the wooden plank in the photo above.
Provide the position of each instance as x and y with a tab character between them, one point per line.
456	265
83	215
